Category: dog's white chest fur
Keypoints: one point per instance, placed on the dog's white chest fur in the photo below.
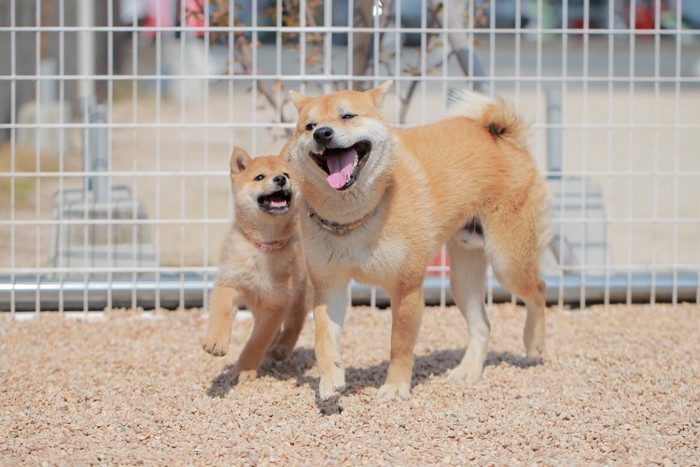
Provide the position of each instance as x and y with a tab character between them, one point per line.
277	268
361	254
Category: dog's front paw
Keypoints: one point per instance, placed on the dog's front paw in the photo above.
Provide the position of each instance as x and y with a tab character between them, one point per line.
394	391
466	374
534	354
329	391
215	347
331	387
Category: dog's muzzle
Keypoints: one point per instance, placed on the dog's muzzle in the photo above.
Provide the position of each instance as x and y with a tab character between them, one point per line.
343	165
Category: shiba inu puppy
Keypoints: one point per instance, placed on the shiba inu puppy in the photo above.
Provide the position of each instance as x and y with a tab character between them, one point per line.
262	264
382	201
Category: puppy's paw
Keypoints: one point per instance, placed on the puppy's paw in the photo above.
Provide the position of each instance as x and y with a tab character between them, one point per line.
279	353
466	375
393	391
216	347
247	375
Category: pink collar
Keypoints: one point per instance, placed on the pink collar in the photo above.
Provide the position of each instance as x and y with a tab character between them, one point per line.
266	247
269	247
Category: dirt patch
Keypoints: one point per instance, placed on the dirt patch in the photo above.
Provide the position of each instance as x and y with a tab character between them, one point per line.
618	385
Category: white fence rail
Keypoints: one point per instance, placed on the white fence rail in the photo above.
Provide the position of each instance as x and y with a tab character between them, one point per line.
117	119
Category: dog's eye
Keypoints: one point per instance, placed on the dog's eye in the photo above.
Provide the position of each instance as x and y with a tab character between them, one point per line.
310	126
348	116
259	177
285	174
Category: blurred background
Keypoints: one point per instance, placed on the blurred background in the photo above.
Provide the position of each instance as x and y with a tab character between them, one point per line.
117	119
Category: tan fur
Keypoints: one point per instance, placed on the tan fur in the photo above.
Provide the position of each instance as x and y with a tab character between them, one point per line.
273	285
427	183
498	115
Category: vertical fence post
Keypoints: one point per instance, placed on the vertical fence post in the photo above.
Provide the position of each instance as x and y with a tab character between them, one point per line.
554	133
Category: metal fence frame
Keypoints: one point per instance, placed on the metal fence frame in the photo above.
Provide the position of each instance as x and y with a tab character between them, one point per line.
87	89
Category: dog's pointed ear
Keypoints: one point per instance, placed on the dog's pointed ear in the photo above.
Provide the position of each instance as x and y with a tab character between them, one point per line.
285	152
377	94
239	160
299	100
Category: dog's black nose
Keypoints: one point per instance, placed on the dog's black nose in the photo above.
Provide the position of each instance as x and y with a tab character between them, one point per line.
323	135
280	180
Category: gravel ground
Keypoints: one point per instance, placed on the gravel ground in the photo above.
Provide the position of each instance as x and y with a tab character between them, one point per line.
618	386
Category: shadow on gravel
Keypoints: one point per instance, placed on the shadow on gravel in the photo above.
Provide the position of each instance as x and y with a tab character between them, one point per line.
520	360
301	360
222	384
436	363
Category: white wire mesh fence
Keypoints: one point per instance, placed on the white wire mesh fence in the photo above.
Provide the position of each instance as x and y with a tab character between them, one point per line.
117	119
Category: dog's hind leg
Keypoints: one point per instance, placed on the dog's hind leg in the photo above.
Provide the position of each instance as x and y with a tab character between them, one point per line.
535	322
468	285
267	324
527	285
293	324
515	259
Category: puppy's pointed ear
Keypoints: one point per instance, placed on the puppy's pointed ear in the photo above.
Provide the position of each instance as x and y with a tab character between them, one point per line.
377	94
299	100
239	160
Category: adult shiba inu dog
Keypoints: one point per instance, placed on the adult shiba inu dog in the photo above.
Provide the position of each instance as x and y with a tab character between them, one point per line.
382	201
262	264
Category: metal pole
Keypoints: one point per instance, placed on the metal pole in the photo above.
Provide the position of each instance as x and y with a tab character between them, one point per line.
95	140
99	154
461	46
168	289
554	133
86	49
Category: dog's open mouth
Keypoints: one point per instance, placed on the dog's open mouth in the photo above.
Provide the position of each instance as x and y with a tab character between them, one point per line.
275	203
343	165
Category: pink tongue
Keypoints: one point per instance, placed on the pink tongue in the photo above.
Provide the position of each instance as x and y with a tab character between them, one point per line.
340	167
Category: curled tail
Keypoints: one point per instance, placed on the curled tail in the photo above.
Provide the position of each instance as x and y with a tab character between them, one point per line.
495	114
